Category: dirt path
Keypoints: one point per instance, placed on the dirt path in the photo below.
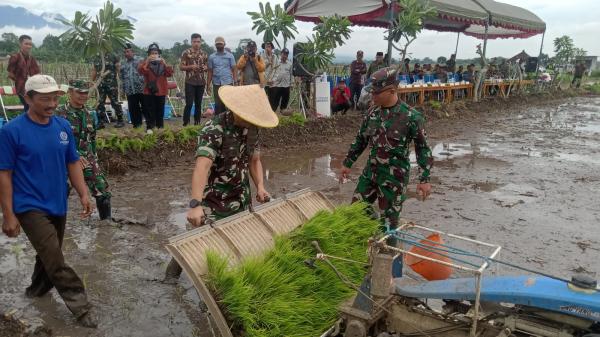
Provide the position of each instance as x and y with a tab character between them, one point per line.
527	179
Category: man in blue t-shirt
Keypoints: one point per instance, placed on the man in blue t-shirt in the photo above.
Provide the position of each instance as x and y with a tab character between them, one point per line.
221	71
37	153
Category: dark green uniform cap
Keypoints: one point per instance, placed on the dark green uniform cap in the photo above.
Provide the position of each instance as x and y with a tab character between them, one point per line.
383	79
79	85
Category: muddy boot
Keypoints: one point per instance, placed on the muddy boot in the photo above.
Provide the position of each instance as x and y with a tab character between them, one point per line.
104	208
119	124
88	320
173	272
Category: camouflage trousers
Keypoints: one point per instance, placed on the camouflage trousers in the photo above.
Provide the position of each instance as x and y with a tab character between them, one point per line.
96	182
389	194
216	207
113	96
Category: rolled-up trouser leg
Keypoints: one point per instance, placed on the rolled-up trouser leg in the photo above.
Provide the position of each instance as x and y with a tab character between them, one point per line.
45	233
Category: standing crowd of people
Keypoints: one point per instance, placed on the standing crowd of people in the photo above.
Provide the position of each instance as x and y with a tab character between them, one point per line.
144	80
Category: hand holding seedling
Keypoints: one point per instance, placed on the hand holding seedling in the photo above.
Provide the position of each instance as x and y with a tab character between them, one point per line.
344	174
196	216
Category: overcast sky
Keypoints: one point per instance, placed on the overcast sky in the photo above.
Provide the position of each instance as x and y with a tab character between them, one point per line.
168	21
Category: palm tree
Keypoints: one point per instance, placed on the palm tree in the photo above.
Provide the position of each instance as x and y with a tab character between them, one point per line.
99	35
564	49
273	22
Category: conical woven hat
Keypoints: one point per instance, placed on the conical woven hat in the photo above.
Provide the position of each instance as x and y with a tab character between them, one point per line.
250	103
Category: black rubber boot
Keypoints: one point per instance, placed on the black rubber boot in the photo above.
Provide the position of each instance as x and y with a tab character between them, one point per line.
104	208
119	124
173	272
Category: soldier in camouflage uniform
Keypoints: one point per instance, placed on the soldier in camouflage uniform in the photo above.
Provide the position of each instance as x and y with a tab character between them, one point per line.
84	130
108	87
388	129
227	156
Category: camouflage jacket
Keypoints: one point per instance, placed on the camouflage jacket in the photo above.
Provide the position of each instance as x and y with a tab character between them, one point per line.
111	63
230	148
389	133
84	129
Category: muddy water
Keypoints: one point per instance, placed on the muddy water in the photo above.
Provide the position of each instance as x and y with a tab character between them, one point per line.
528	180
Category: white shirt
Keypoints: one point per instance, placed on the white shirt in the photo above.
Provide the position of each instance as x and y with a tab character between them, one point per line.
283	75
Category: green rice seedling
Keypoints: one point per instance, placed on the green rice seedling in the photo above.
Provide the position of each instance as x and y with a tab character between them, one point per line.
150	141
101	143
295	119
435	105
137	144
123	145
187	134
277	295
168	136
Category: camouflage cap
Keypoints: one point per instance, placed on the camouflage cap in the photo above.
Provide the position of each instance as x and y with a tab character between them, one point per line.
383	79
79	85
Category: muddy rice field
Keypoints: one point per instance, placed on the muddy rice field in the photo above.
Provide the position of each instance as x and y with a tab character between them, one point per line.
525	176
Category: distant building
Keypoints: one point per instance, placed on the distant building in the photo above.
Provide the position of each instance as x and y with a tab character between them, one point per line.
591	63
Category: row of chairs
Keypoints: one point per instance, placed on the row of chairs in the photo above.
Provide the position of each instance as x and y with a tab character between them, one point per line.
427	78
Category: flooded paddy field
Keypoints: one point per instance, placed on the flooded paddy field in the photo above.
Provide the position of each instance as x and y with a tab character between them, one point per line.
527	179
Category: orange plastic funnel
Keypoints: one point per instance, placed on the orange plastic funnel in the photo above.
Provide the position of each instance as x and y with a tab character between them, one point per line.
430	270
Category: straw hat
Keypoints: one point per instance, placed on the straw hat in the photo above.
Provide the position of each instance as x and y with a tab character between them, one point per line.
250	103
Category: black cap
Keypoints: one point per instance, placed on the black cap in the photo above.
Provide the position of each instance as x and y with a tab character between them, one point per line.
251	44
153	46
128	46
285	51
379	53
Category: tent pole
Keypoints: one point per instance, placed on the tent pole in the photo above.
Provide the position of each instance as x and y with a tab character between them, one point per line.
537	68
457	39
390	41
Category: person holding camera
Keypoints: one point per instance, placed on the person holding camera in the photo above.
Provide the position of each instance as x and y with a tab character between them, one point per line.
340	97
251	67
155	71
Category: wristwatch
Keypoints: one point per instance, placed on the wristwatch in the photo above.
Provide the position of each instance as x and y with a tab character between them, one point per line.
194	203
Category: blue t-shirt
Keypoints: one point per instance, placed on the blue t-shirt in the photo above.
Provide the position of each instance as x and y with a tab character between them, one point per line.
38	155
221	64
